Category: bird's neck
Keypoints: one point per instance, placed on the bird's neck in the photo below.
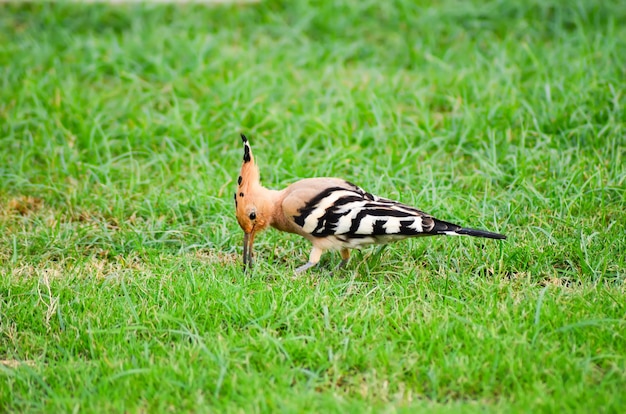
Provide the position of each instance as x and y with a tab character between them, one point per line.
269	202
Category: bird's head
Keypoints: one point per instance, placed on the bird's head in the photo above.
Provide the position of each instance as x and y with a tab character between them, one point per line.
253	208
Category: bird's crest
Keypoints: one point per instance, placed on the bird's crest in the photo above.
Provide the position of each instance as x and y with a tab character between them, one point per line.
249	171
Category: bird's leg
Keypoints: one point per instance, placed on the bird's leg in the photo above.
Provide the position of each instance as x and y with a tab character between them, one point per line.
345	256
314	259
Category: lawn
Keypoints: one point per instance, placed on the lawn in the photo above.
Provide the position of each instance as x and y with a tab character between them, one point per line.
121	282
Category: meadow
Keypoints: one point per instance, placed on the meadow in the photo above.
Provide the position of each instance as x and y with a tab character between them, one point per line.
121	282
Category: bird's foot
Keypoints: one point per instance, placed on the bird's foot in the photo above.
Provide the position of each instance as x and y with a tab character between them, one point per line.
305	267
340	266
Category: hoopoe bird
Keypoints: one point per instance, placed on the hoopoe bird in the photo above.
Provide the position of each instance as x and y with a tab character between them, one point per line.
333	214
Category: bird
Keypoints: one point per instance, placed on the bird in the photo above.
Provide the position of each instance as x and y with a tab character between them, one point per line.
331	213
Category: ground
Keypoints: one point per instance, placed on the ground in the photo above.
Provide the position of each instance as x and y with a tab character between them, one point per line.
121	283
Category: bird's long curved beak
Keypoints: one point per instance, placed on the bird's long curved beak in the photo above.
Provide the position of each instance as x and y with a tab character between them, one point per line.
248	240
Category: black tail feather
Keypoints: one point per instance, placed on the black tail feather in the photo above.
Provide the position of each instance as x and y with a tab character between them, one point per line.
480	233
443	227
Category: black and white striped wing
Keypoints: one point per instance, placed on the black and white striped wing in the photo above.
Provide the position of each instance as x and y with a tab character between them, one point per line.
352	213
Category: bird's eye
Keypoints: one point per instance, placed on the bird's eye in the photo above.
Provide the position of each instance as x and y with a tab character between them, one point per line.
252	216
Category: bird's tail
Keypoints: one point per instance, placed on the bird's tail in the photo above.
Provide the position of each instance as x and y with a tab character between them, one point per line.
480	233
449	229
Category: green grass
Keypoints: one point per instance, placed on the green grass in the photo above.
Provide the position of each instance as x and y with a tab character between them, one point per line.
121	283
